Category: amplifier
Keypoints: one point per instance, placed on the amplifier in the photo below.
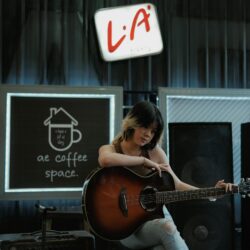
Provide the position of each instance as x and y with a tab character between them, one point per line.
71	240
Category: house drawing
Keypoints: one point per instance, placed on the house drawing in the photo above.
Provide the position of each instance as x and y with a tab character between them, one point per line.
61	131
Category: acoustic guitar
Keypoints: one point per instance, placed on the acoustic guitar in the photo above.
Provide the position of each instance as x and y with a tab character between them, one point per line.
116	200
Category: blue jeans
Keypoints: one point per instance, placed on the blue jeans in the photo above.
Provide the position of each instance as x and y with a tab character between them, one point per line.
157	234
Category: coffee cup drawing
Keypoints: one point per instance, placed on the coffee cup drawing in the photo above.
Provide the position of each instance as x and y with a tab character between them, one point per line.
61	129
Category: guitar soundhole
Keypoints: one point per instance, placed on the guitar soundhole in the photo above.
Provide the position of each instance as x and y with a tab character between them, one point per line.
148	198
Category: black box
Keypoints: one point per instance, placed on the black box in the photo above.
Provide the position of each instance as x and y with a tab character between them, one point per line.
57	240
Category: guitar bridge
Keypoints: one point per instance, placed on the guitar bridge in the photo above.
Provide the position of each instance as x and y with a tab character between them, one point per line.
123	202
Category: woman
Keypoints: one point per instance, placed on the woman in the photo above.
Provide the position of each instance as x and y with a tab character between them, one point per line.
138	147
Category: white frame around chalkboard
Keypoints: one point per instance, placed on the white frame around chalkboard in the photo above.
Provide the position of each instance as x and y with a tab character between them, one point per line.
114	95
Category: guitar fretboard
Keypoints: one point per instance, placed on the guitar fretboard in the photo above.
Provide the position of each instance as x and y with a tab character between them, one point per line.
173	196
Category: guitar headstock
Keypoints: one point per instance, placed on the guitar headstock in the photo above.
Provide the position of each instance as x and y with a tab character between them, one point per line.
244	187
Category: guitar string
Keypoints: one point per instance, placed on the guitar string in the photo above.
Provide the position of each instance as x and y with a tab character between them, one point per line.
173	196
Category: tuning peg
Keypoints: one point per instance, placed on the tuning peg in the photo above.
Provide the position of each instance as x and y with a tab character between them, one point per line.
248	195
242	180
243	196
247	179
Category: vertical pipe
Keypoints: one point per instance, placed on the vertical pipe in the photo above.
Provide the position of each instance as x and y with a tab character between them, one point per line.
129	87
86	44
169	44
65	43
188	44
244	72
207	46
1	44
225	48
109	74
44	42
21	62
149	73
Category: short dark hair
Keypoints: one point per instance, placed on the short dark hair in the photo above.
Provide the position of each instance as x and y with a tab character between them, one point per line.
143	114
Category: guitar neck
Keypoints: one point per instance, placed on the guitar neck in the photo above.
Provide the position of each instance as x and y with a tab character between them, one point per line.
174	196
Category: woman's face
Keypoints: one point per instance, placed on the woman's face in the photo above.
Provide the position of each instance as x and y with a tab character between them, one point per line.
143	136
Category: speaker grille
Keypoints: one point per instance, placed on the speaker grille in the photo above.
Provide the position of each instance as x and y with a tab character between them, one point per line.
201	154
245	165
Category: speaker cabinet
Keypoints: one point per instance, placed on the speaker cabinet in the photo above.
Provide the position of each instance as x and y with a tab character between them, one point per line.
72	240
201	154
245	166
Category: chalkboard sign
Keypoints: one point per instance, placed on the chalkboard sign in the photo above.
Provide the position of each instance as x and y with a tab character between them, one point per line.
52	136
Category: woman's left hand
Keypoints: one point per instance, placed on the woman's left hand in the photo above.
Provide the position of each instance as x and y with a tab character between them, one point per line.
227	186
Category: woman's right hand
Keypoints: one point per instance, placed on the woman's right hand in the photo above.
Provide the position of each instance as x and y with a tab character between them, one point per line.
156	166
